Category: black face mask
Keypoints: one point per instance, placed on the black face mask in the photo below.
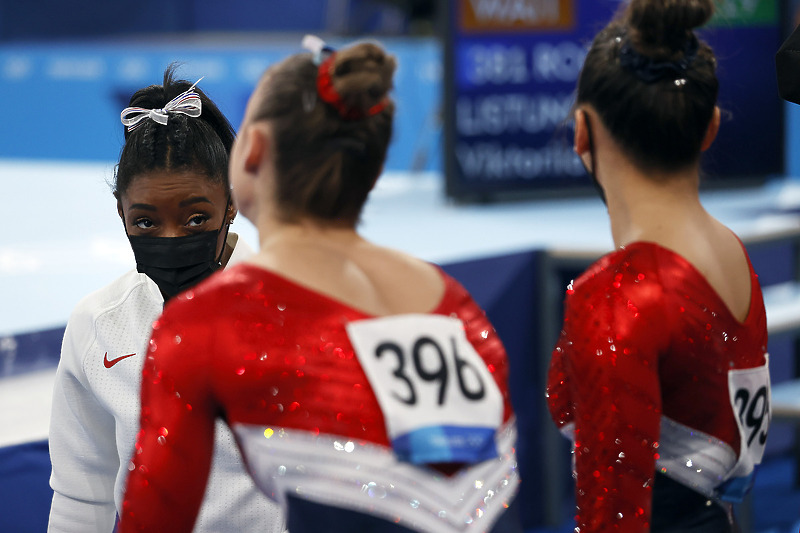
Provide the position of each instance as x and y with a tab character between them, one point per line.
591	171
177	263
787	62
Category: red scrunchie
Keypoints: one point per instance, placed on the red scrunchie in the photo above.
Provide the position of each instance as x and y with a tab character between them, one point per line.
329	95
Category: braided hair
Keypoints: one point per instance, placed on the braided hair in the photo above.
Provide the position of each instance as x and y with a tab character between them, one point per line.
201	145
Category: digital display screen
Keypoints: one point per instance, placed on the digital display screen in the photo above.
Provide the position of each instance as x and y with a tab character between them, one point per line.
510	76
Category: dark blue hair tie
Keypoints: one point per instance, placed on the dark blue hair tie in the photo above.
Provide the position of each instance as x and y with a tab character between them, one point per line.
650	70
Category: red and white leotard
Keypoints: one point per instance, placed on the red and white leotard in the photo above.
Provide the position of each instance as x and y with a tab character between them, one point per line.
652	372
325	402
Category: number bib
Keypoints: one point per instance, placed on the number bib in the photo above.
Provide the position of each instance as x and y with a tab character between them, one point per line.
750	399
440	403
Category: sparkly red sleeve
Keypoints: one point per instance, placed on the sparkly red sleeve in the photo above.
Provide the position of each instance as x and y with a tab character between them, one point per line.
482	335
172	456
559	400
604	379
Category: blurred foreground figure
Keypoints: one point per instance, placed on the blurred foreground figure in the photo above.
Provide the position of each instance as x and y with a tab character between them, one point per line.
366	389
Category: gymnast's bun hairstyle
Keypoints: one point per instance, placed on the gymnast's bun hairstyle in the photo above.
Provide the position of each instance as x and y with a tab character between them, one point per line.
331	125
185	144
653	82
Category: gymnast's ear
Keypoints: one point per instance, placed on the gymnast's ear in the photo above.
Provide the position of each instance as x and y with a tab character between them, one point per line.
256	140
581	141
231	212
711	131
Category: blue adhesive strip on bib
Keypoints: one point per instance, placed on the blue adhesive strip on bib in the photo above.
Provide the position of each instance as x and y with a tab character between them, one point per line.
446	444
734	490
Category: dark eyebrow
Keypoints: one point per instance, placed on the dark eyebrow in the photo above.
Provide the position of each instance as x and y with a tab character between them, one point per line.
146	207
194	200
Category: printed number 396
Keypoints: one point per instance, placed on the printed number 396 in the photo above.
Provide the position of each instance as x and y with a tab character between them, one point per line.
425	371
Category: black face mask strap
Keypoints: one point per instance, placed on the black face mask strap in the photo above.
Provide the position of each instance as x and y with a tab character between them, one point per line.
227	226
591	171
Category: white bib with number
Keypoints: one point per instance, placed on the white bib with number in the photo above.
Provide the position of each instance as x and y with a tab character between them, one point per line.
440	402
749	391
750	398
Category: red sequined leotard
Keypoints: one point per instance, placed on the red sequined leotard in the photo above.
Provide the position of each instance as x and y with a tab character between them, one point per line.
653	373
328	404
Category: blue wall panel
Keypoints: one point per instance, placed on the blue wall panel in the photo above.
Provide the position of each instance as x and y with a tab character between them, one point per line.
62	101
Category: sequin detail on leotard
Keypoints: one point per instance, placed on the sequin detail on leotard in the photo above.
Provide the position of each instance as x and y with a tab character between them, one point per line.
644	337
275	359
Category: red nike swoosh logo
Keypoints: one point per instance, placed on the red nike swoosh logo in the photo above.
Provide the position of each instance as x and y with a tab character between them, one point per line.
112	362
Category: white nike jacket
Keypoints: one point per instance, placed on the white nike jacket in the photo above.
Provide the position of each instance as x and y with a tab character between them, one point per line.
95	419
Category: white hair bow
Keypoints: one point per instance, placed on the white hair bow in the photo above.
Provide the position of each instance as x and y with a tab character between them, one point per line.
188	103
317	47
